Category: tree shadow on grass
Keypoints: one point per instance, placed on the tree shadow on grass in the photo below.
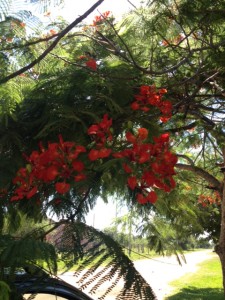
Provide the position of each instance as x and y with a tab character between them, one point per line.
193	293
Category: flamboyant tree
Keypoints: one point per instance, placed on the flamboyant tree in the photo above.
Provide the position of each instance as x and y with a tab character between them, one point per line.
89	112
77	136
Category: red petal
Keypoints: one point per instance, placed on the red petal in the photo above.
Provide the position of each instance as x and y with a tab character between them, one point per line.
142	133
152	197
62	187
130	137
78	166
93	154
31	193
132	182
51	173
141	199
80	177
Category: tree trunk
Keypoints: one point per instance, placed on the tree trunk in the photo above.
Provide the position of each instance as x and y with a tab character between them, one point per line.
220	248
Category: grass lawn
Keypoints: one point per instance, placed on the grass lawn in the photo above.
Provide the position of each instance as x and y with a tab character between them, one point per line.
205	284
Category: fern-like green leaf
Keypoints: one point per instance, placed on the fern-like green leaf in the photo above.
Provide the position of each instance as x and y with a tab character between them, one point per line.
100	259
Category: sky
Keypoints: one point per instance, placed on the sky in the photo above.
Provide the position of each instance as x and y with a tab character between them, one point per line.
102	215
74	8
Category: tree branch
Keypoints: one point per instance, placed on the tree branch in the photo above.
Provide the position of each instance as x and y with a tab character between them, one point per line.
54	43
201	173
186	158
183	128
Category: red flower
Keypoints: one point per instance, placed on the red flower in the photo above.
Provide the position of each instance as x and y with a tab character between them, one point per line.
141	199
154	100
170	158
145	90
82	57
78	166
104	152
163	138
34	156
31	193
148	178
145	108
127	168
152	197
93	129
101	131
155	167
132	182
105	123
166	107
135	106
91	63
51	173
130	137
162	91
62	187
15	198
80	177
93	154
53	32
164	119
143	157
100	19
142	133
80	149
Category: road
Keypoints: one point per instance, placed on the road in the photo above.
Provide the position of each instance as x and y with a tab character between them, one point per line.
158	272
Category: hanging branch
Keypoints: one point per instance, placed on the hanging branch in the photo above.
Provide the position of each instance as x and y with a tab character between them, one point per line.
202	173
54	43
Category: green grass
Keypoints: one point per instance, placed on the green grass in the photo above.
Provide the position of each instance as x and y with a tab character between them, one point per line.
205	284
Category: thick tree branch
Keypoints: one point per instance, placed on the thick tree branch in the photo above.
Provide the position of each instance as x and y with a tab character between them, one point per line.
183	128
54	43
188	159
201	173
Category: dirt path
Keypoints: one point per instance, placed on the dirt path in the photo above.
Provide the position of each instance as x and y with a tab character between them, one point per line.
158	273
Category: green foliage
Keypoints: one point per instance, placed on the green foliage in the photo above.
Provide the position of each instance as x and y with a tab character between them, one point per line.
176	45
25	251
4	291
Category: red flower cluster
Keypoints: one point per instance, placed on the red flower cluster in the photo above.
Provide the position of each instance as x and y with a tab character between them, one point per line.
59	162
92	64
98	20
102	136
149	165
149	97
208	200
89	62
